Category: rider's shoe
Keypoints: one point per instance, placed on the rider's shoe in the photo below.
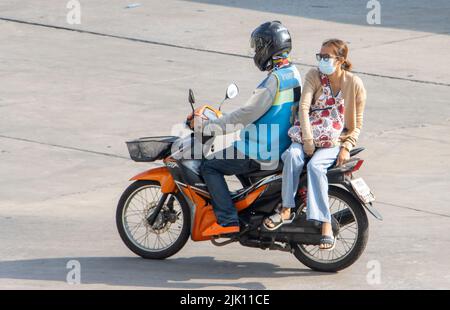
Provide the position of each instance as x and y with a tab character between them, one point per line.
218	230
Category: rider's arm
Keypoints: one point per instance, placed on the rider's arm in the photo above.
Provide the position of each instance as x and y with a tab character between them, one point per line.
258	104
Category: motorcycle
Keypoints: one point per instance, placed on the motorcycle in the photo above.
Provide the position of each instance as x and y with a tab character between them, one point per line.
168	204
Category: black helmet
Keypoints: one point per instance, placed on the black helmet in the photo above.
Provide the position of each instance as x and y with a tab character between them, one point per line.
268	40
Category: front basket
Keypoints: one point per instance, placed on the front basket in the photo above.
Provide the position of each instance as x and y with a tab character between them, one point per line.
150	148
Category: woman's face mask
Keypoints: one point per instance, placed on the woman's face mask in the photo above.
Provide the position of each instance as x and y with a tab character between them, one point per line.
327	66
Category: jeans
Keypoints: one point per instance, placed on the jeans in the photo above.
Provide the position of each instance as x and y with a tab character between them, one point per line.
213	171
317	198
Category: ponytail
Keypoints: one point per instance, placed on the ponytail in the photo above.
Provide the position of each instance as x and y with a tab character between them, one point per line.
347	65
341	50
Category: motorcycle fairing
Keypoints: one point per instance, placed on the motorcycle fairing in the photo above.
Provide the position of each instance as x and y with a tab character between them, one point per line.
161	175
204	215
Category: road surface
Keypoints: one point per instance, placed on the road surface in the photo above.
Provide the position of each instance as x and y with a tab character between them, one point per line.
70	99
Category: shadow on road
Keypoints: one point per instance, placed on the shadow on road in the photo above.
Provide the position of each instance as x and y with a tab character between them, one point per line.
185	273
418	15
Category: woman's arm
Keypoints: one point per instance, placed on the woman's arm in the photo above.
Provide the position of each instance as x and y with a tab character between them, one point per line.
360	103
309	89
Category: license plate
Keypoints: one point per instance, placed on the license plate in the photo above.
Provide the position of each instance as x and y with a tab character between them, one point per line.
362	190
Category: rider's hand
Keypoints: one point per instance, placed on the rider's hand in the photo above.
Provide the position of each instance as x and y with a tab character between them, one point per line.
190	123
309	147
190	119
343	156
194	117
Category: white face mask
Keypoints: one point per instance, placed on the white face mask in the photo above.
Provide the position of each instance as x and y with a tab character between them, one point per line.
327	67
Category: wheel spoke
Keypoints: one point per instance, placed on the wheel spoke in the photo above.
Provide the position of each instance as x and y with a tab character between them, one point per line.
345	239
139	206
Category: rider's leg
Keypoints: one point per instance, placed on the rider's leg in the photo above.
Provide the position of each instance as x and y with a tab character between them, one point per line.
213	172
318	207
293	161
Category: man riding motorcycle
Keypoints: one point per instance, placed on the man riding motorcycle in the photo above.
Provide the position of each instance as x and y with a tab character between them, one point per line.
265	119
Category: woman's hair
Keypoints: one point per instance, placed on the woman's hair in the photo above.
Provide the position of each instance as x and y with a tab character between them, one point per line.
341	50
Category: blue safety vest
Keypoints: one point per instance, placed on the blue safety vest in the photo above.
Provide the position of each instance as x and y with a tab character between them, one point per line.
267	138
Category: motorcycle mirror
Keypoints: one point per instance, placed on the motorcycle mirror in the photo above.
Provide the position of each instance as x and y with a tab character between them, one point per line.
232	91
191	99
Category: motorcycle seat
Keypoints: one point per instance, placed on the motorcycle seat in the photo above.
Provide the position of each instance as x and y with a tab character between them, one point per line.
264	173
279	168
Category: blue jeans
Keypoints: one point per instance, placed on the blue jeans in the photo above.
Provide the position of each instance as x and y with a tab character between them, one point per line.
318	207
213	172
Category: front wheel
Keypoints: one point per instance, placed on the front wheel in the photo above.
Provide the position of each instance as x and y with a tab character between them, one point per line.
351	238
171	228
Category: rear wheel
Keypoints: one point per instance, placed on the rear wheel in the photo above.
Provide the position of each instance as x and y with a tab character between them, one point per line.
351	239
170	230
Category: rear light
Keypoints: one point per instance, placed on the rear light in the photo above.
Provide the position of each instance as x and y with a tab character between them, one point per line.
358	165
302	192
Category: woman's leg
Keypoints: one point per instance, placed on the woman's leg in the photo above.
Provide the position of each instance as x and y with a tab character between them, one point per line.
293	161
318	207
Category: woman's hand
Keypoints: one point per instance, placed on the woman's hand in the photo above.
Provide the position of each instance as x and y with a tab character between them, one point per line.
309	147
343	156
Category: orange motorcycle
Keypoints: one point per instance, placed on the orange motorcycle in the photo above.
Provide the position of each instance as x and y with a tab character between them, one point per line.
165	205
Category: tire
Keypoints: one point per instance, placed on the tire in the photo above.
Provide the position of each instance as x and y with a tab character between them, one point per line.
124	230
358	247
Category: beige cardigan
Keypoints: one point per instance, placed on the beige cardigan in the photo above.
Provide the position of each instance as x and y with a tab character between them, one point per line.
354	95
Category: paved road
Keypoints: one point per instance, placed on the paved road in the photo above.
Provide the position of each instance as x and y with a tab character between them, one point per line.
69	99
